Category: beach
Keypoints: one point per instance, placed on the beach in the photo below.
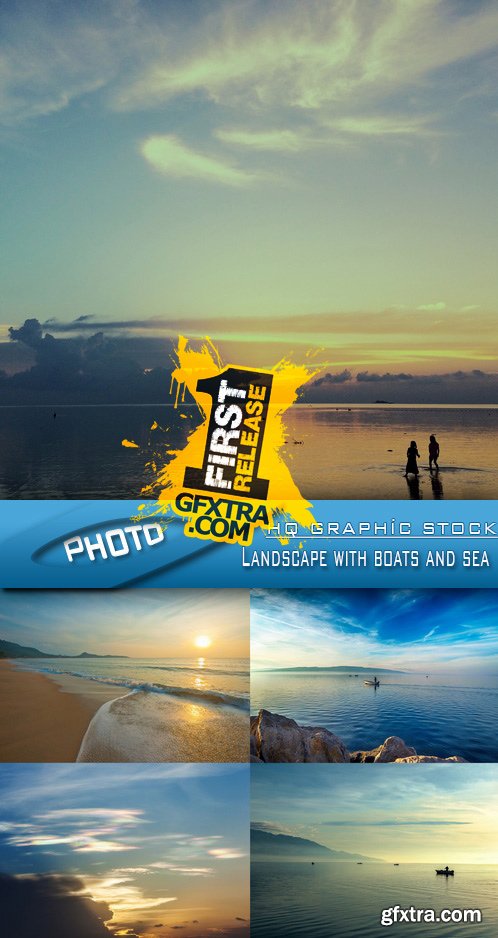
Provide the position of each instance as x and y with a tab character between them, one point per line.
61	717
44	720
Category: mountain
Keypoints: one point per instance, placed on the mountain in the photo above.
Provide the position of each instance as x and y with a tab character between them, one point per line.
265	845
344	669
89	654
13	650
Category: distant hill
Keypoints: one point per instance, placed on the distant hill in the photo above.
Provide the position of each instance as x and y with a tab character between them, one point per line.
13	650
343	668
265	845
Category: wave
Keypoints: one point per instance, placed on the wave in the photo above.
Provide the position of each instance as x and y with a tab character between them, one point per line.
221	698
149	727
196	670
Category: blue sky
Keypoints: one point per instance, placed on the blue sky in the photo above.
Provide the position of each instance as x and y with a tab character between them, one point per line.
412	629
158	844
247	163
390	812
137	623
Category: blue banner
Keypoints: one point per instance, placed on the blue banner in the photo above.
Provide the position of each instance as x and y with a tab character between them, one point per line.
394	544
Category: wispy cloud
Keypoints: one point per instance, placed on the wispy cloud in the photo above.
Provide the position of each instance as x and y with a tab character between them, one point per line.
308	56
269	140
169	156
391	628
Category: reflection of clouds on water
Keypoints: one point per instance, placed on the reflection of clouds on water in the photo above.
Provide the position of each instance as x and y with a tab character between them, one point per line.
346	452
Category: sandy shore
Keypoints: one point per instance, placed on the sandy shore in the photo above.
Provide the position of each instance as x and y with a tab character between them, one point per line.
43	719
60	717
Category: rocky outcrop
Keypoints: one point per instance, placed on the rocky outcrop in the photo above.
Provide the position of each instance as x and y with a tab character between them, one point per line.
391	750
275	738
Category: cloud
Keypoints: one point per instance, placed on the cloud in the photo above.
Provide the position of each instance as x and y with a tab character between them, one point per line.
368	376
226	853
169	156
30	333
429	307
70	828
341	378
310	56
395	822
53	55
51	905
268	140
384	126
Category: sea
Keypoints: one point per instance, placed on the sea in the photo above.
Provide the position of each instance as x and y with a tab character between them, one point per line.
438	715
345	900
222	682
334	451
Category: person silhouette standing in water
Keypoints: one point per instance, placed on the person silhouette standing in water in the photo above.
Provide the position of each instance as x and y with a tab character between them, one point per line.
412	454
433	451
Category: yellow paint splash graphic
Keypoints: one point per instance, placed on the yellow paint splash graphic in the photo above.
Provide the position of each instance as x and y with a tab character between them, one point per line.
130	444
284	497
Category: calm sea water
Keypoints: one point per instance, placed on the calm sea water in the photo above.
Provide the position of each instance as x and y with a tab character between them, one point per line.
360	452
223	681
333	452
431	714
345	900
78	454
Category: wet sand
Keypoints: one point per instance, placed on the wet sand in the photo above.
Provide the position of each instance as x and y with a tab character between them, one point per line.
45	720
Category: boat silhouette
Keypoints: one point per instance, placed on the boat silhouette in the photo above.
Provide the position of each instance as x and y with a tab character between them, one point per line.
445	872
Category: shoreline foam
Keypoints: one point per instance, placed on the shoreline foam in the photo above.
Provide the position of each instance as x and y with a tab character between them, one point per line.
146	727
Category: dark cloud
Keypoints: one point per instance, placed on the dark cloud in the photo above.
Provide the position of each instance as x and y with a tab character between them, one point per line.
453	387
83	370
30	333
132	365
372	377
50	907
339	378
84	318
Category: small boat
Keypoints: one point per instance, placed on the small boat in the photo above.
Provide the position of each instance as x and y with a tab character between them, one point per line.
445	872
360	863
312	862
396	864
372	683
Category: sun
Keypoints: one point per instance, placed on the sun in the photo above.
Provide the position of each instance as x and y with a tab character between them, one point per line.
202	641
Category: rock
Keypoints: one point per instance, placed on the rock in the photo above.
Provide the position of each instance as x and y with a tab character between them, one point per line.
392	749
276	738
430	759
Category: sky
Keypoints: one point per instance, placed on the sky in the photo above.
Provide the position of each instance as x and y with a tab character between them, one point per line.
394	813
276	175
144	623
436	630
155	847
